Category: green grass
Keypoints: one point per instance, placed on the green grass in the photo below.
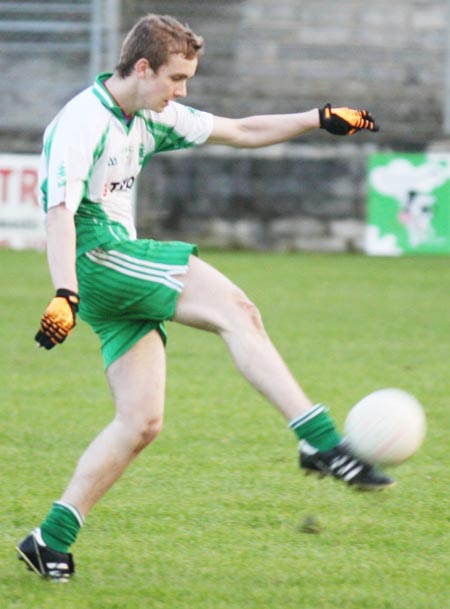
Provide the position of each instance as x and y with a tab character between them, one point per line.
209	517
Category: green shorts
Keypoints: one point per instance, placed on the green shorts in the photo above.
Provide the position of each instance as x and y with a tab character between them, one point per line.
130	289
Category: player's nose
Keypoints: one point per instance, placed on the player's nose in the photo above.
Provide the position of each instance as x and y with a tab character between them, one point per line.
181	89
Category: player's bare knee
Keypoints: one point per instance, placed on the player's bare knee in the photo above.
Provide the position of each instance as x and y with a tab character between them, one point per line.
150	430
249	312
145	431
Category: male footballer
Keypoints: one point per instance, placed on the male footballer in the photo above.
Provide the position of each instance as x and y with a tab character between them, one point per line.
126	288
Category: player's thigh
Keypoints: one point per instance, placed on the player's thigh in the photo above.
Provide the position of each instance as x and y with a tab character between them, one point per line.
209	300
137	380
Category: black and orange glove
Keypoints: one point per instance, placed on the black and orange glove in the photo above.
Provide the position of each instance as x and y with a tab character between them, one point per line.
58	319
345	121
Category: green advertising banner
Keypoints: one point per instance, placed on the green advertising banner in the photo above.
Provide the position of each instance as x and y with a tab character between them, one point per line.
408	204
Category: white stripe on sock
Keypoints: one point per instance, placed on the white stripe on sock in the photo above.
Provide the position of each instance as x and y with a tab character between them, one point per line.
73	509
304	418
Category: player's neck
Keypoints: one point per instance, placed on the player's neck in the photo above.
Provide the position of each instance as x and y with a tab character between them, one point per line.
120	91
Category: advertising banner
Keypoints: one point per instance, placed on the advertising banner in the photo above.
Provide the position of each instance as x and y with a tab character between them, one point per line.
408	204
21	217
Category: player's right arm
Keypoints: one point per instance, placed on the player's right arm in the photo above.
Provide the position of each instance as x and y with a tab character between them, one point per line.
66	162
60	314
61	247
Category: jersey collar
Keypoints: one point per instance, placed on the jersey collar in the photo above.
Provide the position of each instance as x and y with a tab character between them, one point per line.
106	98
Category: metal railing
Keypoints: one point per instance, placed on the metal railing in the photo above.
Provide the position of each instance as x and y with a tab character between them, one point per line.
89	27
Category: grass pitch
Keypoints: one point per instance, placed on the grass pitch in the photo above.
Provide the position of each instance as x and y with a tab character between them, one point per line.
211	515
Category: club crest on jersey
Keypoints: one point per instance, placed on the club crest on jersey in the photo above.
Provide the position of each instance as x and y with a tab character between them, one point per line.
62	179
141	154
112	161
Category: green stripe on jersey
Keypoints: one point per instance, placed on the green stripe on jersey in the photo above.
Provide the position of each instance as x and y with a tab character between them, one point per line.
166	138
46	152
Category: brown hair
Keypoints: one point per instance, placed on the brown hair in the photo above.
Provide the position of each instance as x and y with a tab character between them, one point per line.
155	37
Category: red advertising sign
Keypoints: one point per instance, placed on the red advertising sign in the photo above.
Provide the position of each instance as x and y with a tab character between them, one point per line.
21	216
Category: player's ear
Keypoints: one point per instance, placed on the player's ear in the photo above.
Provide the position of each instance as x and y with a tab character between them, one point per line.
142	67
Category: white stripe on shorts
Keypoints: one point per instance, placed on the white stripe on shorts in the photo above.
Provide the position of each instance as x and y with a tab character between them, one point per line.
141	269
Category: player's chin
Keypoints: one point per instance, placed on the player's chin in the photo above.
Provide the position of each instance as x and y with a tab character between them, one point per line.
158	107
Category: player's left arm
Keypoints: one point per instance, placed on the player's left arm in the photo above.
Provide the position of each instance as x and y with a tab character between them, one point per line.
269	129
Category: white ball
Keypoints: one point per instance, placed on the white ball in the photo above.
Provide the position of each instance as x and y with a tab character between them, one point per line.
386	427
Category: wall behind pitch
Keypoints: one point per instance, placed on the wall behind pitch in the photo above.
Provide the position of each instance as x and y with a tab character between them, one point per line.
264	56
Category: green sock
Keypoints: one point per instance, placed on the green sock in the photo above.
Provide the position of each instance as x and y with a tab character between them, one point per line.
317	428
60	529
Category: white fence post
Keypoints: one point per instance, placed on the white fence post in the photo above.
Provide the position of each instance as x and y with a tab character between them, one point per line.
104	39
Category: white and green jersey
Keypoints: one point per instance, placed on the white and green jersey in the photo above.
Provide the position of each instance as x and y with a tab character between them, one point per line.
92	157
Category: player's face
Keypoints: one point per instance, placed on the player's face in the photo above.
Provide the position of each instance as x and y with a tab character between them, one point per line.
169	82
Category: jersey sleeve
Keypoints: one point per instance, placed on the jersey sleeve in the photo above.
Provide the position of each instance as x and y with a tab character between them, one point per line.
179	126
68	157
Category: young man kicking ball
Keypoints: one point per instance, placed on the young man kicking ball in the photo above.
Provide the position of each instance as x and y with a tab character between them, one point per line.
126	288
